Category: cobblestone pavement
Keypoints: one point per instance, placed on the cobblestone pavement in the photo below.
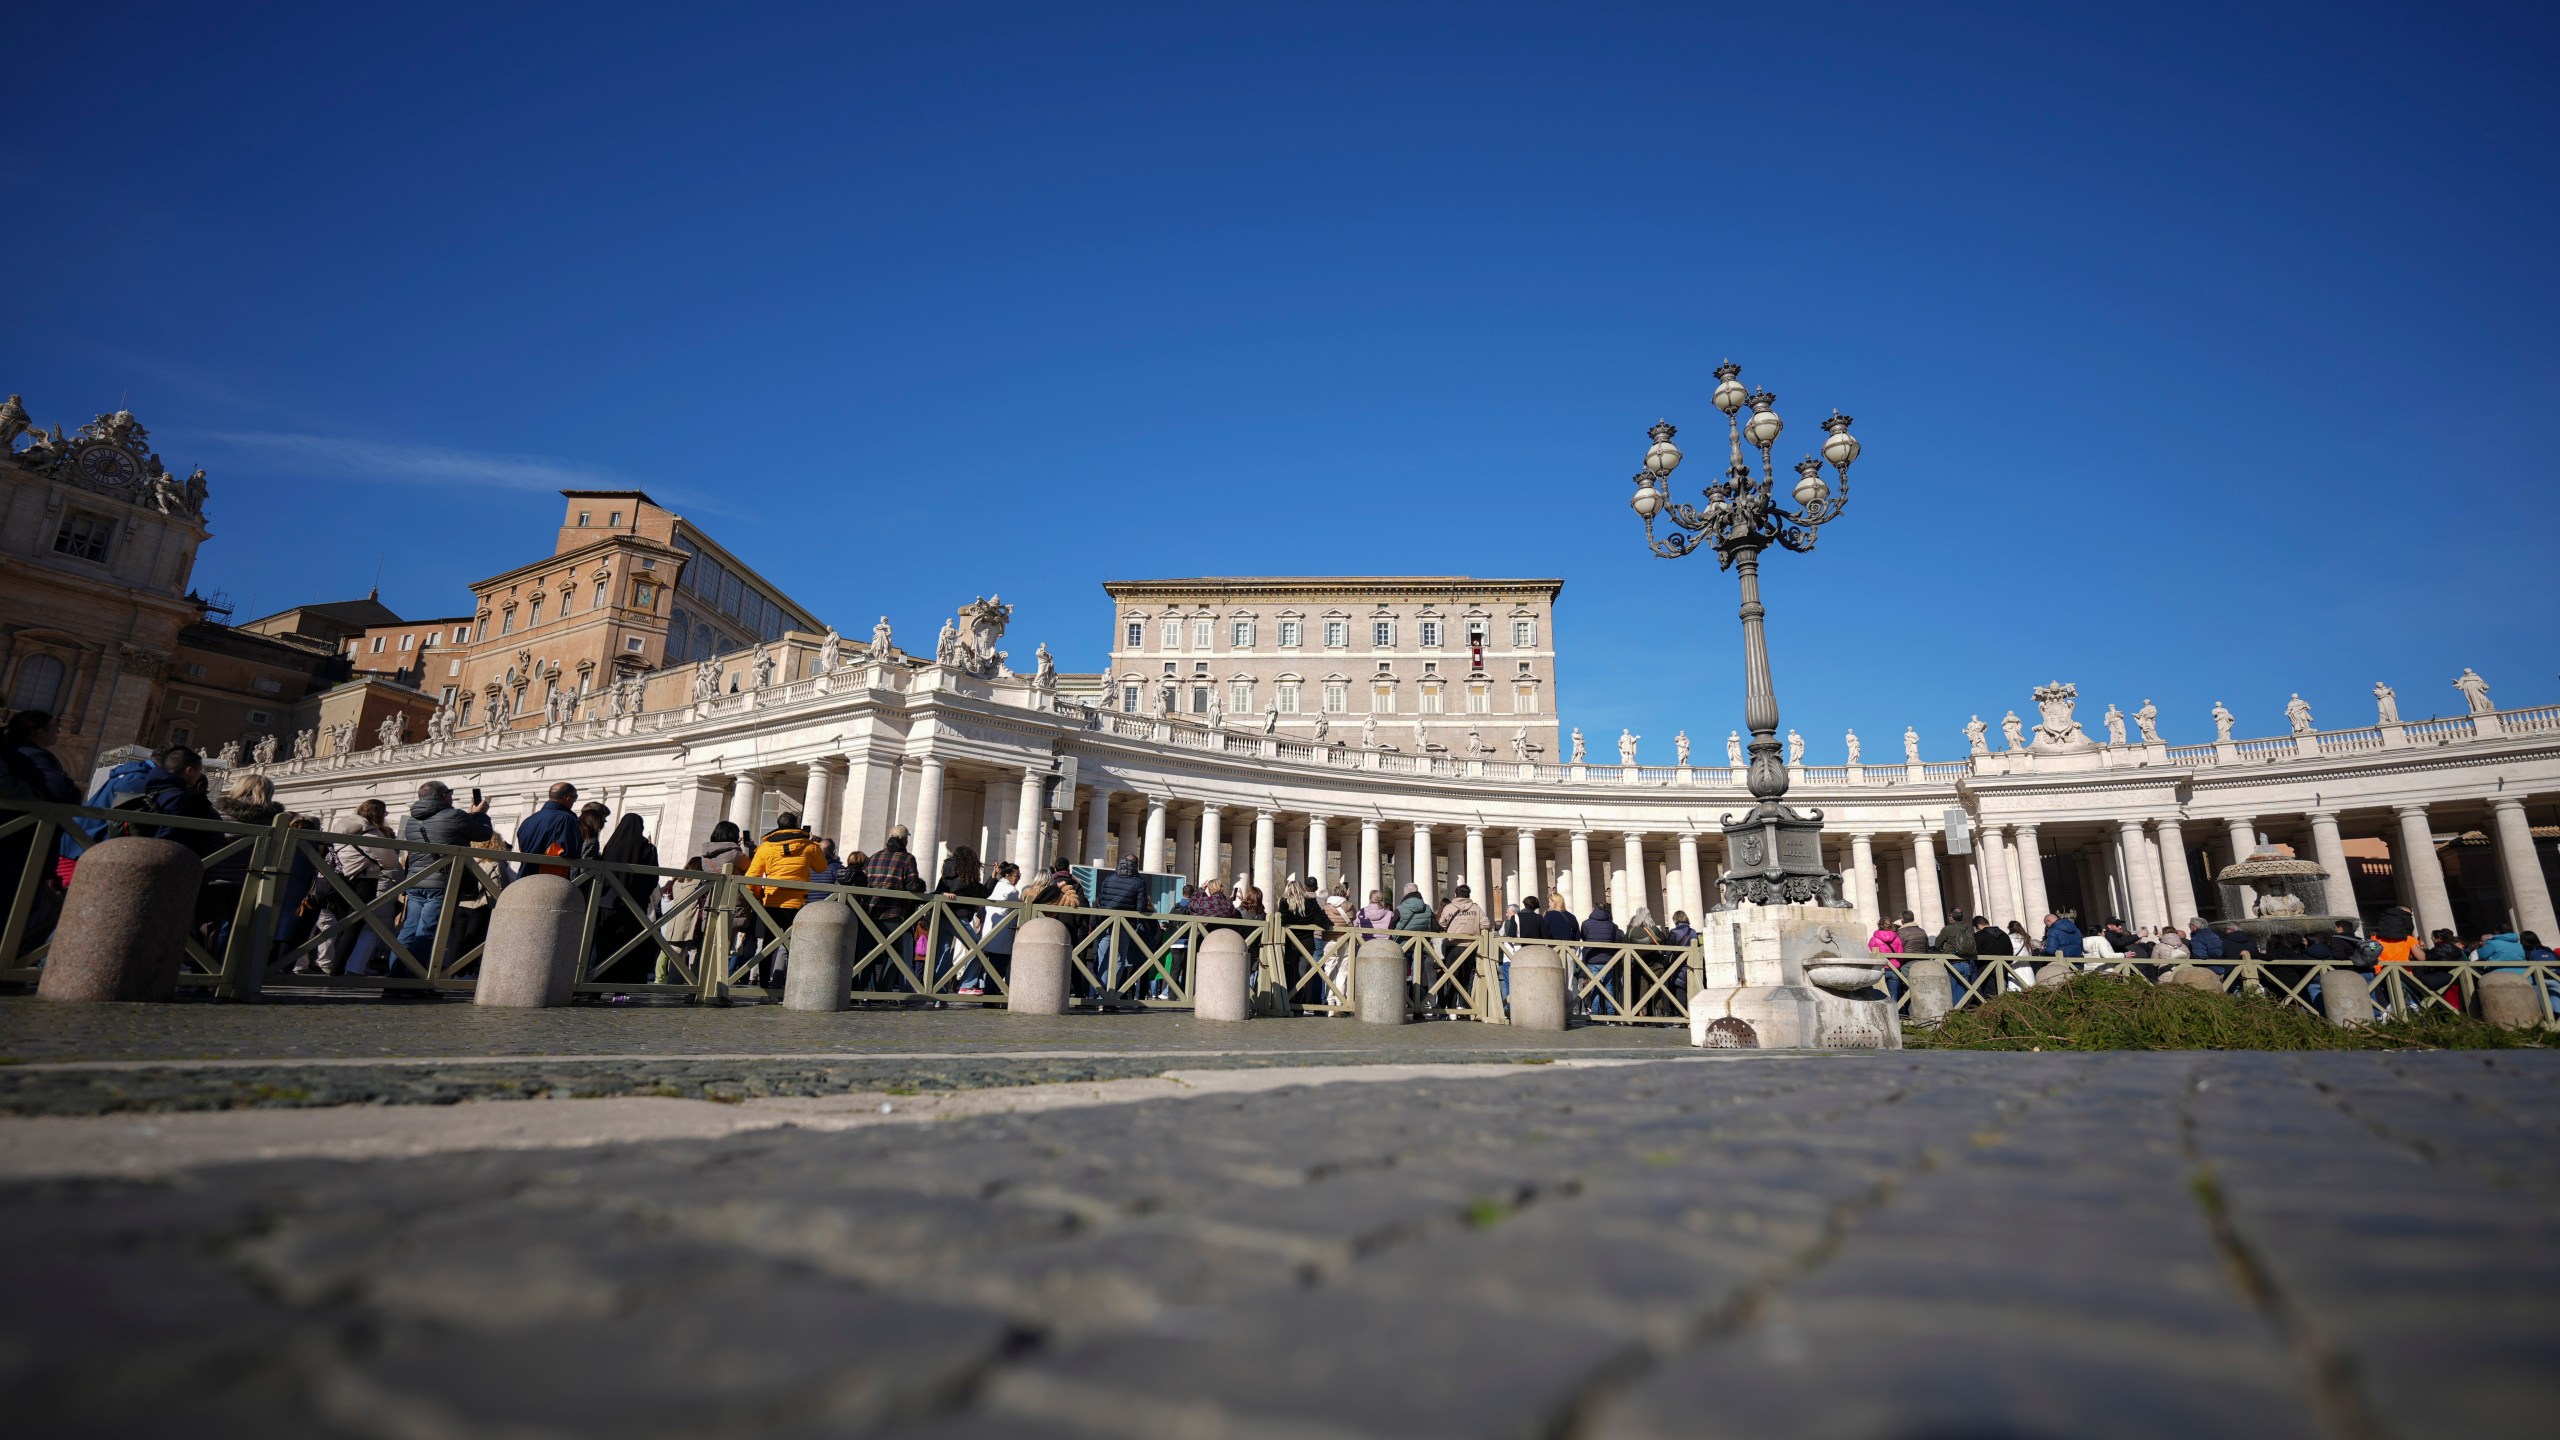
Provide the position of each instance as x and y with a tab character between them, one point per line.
1923	1245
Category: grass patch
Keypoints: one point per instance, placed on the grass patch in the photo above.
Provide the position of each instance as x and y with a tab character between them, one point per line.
2108	1012
275	1094
1488	1212
901	1090
1534	1060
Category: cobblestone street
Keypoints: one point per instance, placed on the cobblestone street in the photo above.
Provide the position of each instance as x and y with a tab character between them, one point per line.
1887	1245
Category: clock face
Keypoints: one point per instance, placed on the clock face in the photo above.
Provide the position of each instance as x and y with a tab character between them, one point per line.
108	465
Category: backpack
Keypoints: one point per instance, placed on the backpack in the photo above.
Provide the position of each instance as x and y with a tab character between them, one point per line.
121	790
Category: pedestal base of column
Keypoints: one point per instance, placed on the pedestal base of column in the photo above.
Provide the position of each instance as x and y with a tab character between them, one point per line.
1798	976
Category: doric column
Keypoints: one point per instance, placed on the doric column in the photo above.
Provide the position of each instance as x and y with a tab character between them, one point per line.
998	810
1320	872
1476	885
2426	872
1924	872
818	801
1862	863
1530	882
1097	829
928	833
1266	861
2142	872
1185	859
1422	861
2528	895
2330	849
1151	856
1300	862
746	799
1639	894
2244	843
1368	860
1581	896
1692	878
2180	896
2030	861
1213	824
1028	816
1991	879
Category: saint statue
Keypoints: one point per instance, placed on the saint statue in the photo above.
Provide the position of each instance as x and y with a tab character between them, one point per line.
830	651
1733	748
2221	723
1577	745
1680	748
1046	677
1520	744
1853	747
2475	691
264	752
1324	726
2298	712
2387	702
228	755
1910	745
2115	724
306	743
706	680
1368	732
1270	712
394	728
13	422
2147	719
764	667
1475	742
880	639
2014	731
946	647
1795	748
1627	746
1974	733
342	737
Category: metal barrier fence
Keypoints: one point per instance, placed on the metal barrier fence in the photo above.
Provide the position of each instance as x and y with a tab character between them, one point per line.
274	900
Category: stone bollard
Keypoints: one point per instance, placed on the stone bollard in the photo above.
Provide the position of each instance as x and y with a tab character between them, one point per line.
2345	998
2055	970
1538	991
531	959
2196	977
1041	965
1377	982
1217	982
822	944
124	925
2507	999
1932	991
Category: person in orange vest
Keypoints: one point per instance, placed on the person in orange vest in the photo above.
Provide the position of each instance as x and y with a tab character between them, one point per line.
788	853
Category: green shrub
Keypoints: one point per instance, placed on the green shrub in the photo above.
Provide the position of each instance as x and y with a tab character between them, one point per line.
2111	1012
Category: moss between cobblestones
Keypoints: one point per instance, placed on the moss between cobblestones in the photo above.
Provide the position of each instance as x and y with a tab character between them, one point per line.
2109	1012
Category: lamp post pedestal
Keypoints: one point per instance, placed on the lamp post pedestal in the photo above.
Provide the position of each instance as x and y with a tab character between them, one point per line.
1790	977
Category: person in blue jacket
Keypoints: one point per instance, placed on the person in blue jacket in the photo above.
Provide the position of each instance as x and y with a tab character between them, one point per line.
553	829
2061	937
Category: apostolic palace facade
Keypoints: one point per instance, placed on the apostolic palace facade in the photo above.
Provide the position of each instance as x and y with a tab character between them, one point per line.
1382	729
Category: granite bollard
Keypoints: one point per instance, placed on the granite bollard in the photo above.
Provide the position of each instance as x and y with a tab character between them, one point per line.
1538	993
1377	982
1218	986
1932	990
2197	977
124	925
2055	970
2509	1000
531	959
2345	998
1041	965
822	946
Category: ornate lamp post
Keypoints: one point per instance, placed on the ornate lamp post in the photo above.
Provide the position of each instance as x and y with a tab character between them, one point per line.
1774	851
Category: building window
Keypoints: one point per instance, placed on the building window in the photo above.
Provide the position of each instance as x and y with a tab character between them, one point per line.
1201	634
1430	634
1430	699
1479	700
1137	635
181	735
1169	635
1199	699
1168	669
84	537
1382	634
1337	697
1382	699
453	667
1129	699
446	697
1476	633
189	705
1524	634
462	714
1199	667
617	519
533	613
408	642
585	518
1337	634
1288	634
634	644
1240	696
269	687
262	717
461	634
507	622
196	672
377	644
1288	701
1240	635
1524	699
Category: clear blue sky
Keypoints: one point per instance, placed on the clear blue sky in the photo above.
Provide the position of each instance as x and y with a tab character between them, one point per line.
2198	353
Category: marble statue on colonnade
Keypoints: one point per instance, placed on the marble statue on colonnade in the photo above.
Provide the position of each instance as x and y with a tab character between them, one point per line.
229	754
1680	748
2055	727
1733	748
1577	745
1975	736
264	752
880	646
342	737
1046	676
1853	747
2386	703
2297	712
306	744
2147	719
2014	731
394	729
2475	691
2222	722
1911	744
2115	724
1627	746
1368	732
830	651
1795	748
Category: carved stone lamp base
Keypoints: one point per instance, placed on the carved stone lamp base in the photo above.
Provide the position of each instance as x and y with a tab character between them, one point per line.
1776	859
1798	976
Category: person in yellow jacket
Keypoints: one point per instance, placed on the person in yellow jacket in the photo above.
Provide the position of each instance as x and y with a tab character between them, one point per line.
788	853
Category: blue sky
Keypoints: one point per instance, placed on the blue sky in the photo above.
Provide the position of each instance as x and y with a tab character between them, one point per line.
2198	353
